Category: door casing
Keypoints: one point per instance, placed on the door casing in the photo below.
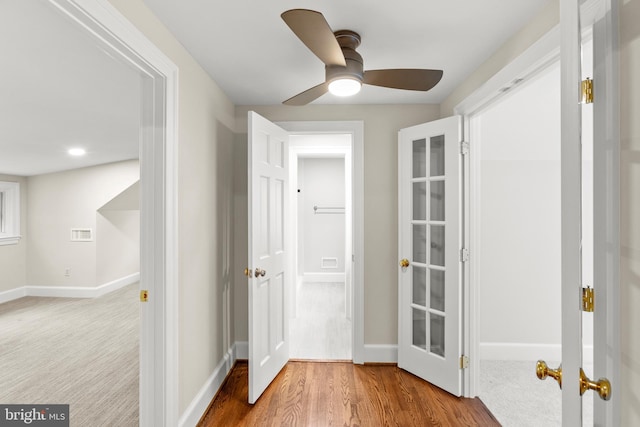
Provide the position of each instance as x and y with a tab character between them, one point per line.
158	204
535	59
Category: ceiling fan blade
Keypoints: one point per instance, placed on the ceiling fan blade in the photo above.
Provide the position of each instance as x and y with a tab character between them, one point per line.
403	78
314	31
308	95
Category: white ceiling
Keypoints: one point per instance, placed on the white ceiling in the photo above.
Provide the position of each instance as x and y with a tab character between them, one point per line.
256	59
61	90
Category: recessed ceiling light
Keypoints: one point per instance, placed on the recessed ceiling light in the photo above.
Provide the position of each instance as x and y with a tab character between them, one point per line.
77	152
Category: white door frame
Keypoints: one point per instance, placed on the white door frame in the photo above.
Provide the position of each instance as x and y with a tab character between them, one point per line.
356	130
158	203
536	58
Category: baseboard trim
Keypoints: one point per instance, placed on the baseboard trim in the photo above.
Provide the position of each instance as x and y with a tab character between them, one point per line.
120	283
69	291
527	352
12	294
242	350
323	277
381	353
202	400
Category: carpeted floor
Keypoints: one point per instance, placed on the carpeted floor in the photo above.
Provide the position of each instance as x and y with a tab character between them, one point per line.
517	398
81	352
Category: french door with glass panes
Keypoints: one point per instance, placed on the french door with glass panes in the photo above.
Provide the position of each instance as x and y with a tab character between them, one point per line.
429	336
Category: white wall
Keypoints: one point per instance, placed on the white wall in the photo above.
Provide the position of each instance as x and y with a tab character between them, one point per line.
13	258
321	182
520	223
118	232
519	256
58	202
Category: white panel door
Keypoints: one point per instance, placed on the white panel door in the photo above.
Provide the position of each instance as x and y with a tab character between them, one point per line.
429	294
268	275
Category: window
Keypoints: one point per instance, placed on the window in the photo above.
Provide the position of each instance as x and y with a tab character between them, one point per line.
9	213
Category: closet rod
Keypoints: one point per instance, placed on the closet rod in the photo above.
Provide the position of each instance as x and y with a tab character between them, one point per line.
332	210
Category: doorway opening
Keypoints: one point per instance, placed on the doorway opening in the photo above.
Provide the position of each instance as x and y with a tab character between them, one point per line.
158	202
517	248
322	216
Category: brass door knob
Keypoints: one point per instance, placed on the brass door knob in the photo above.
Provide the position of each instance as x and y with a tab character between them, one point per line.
543	371
248	272
404	263
260	272
602	386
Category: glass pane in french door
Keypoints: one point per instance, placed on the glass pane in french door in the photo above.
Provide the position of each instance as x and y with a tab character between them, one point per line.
428	233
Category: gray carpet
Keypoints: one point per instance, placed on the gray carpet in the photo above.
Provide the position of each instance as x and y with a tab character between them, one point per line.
81	352
517	398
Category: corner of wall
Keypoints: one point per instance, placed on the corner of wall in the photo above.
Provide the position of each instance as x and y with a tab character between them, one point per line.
539	25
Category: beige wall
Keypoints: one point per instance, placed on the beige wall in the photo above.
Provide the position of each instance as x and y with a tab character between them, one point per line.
630	209
58	202
13	258
381	126
206	119
539	25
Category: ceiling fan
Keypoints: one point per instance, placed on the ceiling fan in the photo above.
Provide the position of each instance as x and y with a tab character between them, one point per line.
344	69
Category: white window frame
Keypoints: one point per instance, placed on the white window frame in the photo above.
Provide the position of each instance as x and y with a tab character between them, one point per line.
9	213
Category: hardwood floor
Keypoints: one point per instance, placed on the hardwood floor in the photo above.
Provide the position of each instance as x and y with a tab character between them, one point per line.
342	394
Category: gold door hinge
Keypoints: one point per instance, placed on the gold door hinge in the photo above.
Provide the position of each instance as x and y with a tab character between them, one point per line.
588	299
144	296
586	91
464	362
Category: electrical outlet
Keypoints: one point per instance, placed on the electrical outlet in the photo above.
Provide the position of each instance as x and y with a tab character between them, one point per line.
67	272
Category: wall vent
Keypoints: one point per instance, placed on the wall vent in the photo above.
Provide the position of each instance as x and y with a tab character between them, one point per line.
327	262
81	235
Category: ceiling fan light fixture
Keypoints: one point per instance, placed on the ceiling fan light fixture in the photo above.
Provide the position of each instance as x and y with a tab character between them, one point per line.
345	86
